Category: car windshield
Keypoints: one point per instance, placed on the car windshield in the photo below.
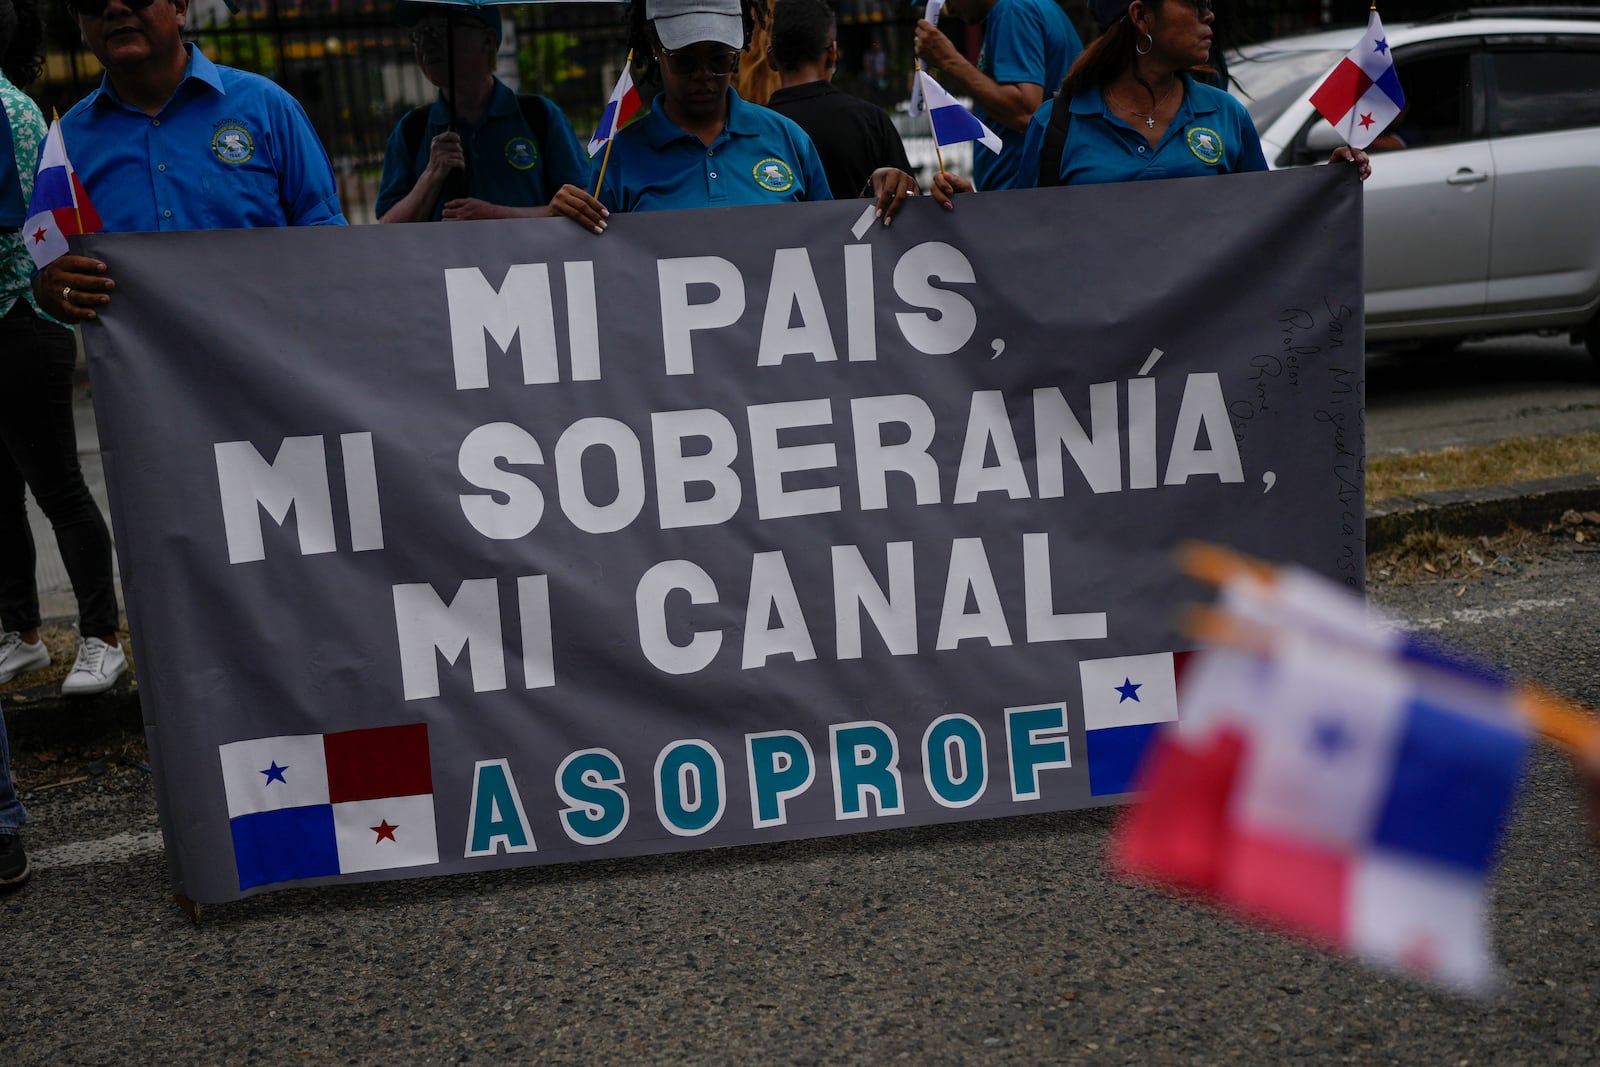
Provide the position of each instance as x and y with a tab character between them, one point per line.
1266	80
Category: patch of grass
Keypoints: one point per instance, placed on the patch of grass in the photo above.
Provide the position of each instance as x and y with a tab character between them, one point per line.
62	641
1521	460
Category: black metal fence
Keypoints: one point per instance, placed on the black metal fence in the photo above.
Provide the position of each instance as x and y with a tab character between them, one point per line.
352	69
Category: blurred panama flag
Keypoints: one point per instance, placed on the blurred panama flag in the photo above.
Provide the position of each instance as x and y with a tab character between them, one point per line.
1362	94
1333	778
60	205
622	105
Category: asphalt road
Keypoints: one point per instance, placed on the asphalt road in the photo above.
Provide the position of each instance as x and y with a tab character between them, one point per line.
1481	393
1002	941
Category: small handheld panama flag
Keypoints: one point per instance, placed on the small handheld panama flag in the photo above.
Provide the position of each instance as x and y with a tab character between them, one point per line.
60	205
952	123
1362	95
1344	784
619	109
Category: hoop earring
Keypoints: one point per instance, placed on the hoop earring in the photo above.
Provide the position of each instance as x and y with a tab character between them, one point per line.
1144	51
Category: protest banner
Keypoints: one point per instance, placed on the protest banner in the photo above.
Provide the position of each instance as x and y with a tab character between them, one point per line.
457	547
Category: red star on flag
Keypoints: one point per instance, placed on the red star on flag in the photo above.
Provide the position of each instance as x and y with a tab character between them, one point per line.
1420	955
1366	120
384	831
39	235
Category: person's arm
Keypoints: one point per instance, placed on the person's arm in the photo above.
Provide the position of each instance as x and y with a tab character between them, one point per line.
305	173
564	164
1011	104
445	155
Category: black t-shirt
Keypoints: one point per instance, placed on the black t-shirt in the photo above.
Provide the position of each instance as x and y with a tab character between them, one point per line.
853	137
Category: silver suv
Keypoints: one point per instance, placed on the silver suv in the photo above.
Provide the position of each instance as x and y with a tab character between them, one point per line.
1484	217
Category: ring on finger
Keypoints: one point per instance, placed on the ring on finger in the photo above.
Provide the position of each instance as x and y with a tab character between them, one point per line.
66	293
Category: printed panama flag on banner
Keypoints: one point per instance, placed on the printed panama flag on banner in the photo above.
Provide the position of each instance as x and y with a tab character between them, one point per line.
60	205
1125	699
312	805
622	105
1350	798
952	123
1362	95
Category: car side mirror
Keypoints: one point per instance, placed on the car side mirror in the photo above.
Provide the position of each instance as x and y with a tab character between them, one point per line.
1322	139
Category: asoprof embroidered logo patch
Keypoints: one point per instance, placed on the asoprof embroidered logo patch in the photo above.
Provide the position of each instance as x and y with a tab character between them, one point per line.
232	143
522	153
774	175
1206	145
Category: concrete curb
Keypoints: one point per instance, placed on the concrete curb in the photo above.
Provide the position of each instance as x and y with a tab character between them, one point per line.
39	718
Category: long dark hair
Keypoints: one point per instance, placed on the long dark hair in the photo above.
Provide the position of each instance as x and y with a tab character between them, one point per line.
1109	55
21	41
642	36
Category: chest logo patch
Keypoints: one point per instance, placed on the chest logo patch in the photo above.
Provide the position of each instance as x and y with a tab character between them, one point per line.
521	153
233	144
1206	145
774	175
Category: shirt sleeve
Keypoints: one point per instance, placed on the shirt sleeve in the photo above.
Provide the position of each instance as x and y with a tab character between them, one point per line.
399	173
1027	176
1015	39
1249	158
565	161
305	174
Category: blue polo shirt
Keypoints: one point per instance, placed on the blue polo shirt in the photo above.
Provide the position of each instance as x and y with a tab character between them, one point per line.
1026	41
1211	134
508	163
760	157
230	150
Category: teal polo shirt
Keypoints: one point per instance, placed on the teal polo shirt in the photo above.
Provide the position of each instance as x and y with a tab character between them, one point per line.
1211	134
1024	41
759	158
507	162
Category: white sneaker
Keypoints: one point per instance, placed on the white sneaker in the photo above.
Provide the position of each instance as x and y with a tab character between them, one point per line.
19	657
97	668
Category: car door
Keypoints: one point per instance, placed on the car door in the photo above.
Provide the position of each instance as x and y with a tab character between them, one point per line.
1429	205
1544	124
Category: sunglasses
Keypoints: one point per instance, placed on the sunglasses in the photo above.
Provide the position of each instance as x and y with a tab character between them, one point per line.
95	8
427	32
686	64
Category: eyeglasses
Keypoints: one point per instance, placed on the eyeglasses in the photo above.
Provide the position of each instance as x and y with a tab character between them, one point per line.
428	32
95	8
686	64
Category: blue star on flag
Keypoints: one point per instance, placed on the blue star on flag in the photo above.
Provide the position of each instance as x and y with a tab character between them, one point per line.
1129	690
1382	46
1329	737
274	773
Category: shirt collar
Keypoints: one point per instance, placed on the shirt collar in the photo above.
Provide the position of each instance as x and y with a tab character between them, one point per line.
502	101
199	69
743	121
804	91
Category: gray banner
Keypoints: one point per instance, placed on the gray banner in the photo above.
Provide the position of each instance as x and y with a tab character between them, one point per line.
464	546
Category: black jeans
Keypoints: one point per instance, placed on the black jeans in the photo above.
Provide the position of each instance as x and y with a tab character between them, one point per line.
39	451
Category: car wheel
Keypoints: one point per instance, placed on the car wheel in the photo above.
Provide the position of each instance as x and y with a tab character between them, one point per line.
1591	337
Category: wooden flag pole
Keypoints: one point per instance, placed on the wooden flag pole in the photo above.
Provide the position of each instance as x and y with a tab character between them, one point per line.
605	157
937	155
72	187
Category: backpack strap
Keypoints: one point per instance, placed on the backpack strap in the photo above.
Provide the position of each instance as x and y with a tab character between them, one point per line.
1055	139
